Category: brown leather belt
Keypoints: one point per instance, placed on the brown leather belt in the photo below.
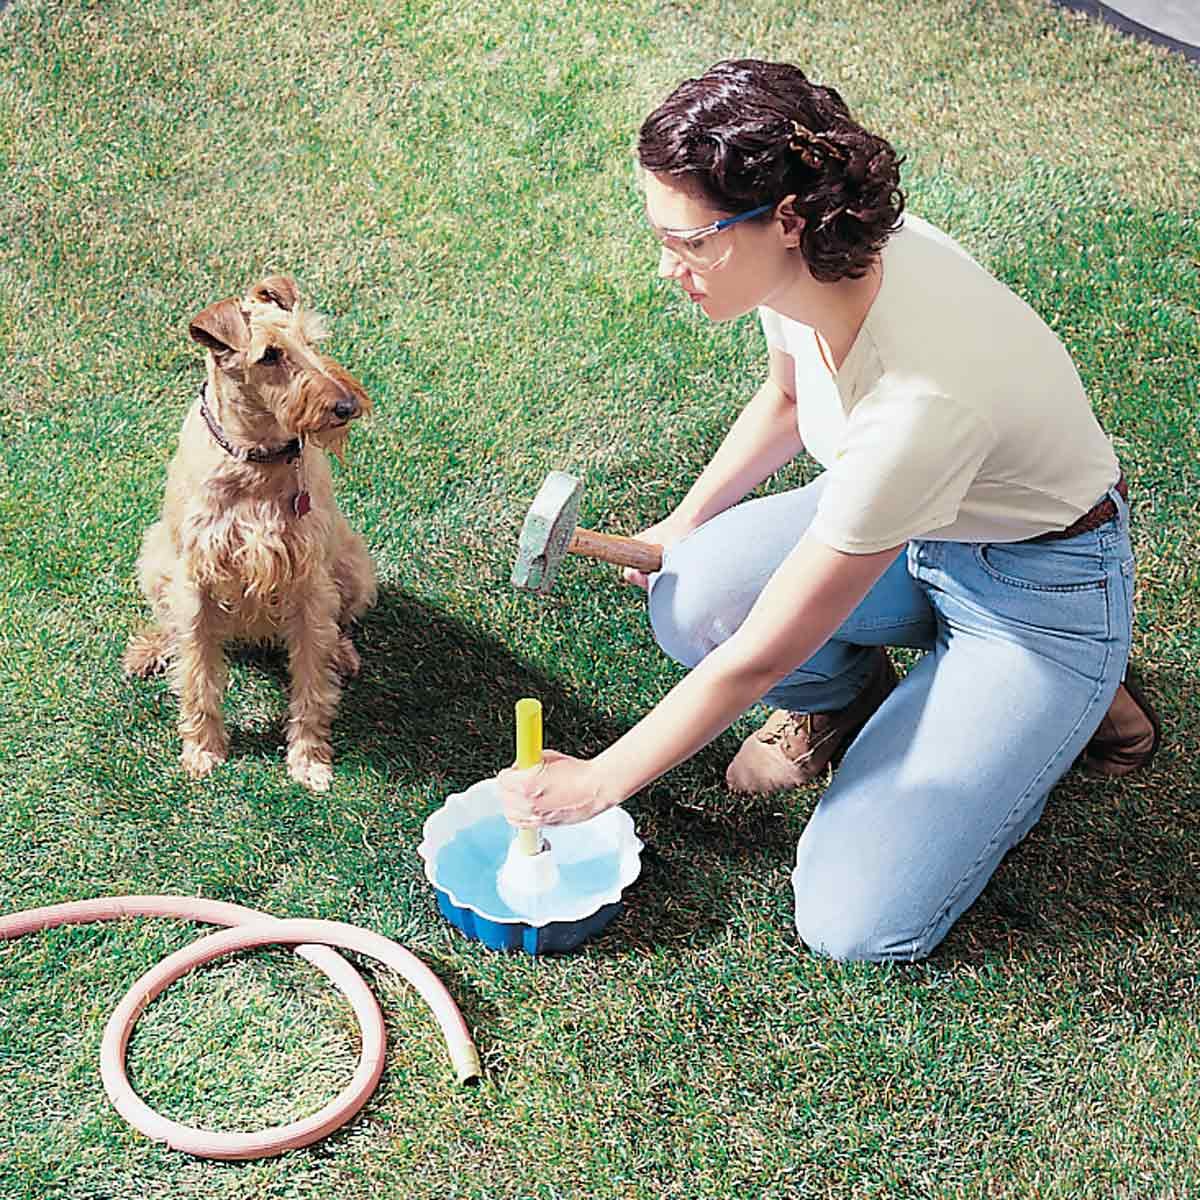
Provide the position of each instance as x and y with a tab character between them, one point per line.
1101	514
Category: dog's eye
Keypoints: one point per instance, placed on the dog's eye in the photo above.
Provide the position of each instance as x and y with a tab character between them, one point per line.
270	356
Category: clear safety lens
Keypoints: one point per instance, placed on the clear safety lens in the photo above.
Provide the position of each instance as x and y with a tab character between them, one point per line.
699	253
707	247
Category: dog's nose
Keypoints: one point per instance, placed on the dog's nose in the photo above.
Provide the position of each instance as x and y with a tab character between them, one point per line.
345	408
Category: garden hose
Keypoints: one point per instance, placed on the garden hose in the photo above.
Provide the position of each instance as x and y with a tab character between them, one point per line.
247	928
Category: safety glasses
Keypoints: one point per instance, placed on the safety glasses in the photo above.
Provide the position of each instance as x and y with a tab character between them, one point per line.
703	248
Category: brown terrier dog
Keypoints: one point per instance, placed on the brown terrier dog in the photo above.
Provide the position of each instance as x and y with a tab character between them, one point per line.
251	544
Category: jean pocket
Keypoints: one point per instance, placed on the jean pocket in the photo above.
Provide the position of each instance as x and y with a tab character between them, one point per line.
1055	566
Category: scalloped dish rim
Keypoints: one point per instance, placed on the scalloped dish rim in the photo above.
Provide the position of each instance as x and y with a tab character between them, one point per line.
628	842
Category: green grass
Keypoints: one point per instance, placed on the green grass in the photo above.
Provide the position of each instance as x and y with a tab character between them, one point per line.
452	184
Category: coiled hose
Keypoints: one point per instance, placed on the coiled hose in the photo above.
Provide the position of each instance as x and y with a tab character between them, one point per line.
246	928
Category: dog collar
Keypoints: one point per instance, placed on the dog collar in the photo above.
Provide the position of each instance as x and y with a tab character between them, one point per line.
255	454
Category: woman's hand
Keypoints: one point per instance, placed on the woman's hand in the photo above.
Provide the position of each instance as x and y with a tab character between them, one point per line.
561	790
666	532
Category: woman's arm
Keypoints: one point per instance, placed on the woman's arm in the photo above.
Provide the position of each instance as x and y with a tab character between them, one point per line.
811	593
762	439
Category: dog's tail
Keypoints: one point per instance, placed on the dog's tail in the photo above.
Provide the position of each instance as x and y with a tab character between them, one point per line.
148	653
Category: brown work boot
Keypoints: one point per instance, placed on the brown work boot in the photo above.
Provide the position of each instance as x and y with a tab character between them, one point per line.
1128	736
792	748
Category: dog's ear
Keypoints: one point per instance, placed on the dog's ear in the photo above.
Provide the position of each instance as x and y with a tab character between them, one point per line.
221	328
280	290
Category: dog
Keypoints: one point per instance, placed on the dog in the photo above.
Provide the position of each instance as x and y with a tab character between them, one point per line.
251	544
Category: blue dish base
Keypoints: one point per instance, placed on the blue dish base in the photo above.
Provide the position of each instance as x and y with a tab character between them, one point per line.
558	937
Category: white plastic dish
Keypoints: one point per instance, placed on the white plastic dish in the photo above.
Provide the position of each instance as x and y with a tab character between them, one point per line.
596	859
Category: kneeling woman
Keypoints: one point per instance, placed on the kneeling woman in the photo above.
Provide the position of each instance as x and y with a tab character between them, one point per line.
970	506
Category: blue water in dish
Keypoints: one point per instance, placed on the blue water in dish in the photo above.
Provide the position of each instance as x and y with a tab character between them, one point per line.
469	864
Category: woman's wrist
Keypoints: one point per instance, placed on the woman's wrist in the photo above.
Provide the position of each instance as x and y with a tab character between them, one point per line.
686	518
607	785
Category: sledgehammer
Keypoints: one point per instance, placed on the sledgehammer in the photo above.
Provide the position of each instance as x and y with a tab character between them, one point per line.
549	535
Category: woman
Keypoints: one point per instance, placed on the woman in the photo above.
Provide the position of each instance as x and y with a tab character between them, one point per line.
970	507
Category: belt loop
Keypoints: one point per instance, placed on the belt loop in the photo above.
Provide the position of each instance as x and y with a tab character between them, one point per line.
1115	494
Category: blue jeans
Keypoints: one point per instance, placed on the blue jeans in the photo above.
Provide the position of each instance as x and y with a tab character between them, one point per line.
1026	644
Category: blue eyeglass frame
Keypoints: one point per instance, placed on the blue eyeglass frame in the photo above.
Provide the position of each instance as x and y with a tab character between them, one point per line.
692	235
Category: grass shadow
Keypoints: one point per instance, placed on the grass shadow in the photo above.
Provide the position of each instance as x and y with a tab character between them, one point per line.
435	702
432	711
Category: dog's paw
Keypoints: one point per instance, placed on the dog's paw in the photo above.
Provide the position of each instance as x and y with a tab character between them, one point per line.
147	654
198	761
314	773
345	658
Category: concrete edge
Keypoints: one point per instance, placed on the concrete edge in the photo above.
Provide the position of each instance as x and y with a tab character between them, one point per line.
1094	8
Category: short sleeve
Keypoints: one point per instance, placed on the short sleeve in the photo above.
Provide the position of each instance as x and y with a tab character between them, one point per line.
772	327
903	467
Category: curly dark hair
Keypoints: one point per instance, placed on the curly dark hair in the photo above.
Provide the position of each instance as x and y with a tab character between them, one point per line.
749	132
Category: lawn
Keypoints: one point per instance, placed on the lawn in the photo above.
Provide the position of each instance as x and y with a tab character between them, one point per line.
453	185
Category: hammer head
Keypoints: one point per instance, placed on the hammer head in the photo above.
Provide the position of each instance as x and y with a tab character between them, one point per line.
547	532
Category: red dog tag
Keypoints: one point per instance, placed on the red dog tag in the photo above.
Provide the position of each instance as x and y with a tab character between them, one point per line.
302	503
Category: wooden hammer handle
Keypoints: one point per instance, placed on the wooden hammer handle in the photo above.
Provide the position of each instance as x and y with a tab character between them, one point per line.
624	551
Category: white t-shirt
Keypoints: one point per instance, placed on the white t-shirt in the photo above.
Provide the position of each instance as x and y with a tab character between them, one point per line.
957	414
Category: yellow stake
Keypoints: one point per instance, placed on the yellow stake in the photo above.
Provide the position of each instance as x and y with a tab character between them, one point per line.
529	754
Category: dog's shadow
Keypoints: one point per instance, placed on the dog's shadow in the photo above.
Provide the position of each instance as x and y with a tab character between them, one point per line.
436	698
432	712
